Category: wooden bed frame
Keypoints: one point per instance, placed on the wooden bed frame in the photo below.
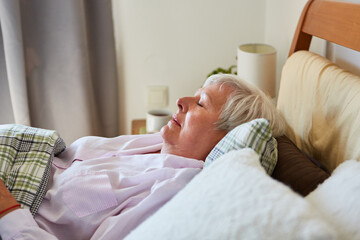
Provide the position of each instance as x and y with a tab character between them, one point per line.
333	20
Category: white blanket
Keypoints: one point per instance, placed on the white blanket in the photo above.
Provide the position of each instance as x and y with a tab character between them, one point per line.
338	198
235	199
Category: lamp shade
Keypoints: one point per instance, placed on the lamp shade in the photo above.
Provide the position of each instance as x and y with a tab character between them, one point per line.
256	63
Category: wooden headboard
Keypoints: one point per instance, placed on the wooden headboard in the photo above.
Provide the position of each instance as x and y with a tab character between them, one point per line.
333	20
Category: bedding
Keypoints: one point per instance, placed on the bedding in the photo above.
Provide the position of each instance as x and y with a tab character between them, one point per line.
338	199
235	199
256	135
26	157
296	169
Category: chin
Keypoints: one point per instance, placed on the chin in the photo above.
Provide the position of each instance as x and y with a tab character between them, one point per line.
164	128
164	131
169	135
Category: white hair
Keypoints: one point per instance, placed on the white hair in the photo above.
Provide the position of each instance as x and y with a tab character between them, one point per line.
246	103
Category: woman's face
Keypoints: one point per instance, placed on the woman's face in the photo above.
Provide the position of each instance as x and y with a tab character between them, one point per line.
191	132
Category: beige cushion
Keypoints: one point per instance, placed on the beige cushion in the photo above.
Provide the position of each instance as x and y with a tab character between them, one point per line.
321	103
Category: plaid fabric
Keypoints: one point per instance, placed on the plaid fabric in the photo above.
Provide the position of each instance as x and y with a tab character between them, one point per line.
26	155
255	134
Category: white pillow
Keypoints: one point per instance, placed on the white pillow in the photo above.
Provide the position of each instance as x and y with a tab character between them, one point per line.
234	199
338	198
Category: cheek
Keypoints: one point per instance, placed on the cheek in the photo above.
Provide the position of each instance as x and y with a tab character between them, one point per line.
199	128
199	120
201	124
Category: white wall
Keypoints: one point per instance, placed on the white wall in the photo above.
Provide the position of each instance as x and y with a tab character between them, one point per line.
281	21
346	58
177	43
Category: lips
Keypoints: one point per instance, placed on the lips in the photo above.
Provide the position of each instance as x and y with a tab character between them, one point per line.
176	120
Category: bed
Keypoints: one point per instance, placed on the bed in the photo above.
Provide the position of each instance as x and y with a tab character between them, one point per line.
314	190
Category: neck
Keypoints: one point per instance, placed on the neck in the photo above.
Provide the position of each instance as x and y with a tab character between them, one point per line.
180	152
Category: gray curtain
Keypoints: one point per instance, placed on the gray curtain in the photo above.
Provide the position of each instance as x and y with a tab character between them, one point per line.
58	67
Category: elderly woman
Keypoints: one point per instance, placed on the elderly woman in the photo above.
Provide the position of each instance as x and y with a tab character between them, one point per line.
103	188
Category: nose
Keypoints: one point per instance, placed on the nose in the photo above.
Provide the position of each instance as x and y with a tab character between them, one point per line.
183	104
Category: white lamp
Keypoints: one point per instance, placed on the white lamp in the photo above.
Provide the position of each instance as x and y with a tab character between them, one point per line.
256	63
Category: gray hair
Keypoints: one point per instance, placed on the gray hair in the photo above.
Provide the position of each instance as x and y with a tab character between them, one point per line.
246	103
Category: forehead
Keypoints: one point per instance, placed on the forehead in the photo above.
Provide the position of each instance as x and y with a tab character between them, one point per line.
216	93
214	89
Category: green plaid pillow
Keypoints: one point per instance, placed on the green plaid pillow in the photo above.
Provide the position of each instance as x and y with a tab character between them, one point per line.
26	155
255	134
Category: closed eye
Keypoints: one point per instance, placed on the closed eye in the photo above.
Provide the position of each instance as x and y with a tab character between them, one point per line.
199	104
